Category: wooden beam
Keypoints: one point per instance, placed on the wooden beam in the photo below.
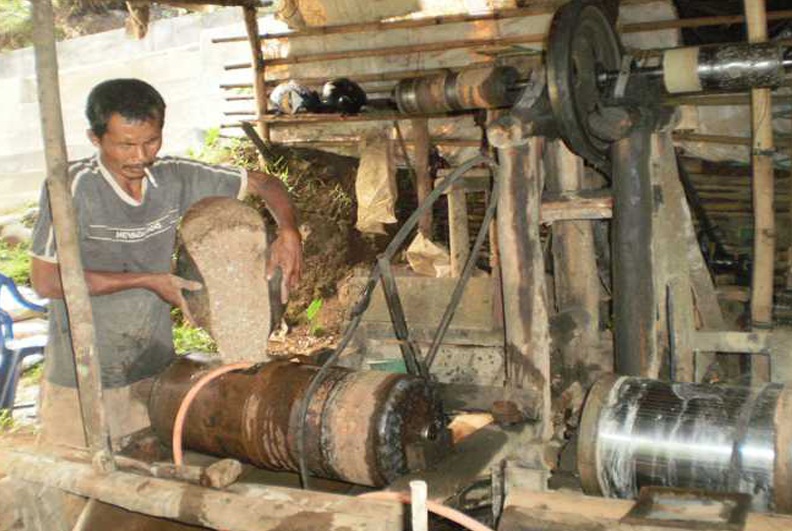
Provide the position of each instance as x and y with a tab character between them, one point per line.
537	38
575	274
458	231
582	205
763	190
241	507
260	91
75	288
423	181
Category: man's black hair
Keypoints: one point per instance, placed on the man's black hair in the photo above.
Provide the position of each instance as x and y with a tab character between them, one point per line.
133	99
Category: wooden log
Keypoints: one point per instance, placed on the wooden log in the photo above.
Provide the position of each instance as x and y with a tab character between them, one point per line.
75	288
241	507
576	279
526	323
260	91
423	181
529	510
763	189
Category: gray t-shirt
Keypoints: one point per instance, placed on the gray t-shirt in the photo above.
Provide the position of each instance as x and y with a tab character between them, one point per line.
118	234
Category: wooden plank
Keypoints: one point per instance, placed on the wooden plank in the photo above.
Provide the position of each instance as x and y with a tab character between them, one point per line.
75	288
241	507
585	204
530	510
733	342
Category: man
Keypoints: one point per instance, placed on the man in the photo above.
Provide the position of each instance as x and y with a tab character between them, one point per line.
128	203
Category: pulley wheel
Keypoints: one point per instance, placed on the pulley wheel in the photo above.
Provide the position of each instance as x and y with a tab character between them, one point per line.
581	44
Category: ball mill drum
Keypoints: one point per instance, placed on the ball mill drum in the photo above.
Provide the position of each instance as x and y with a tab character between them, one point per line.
638	432
360	426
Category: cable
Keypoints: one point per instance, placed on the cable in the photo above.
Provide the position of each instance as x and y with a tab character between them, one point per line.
434	507
365	299
181	415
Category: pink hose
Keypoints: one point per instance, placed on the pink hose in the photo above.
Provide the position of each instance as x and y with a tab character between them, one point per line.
437	508
181	415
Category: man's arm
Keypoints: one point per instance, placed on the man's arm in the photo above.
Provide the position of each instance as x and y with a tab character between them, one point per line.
45	277
286	250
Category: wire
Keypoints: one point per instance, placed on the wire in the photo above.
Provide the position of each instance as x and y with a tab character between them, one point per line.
434	507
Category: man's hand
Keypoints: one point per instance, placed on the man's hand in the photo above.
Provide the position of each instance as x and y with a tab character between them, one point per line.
286	253
169	288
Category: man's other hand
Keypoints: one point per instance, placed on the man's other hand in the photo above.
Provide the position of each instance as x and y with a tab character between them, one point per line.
169	288
286	253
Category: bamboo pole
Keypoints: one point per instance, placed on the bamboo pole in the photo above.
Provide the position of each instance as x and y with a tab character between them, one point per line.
75	289
251	25
764	220
536	38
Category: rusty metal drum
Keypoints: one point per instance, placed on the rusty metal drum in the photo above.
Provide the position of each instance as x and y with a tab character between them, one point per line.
360	426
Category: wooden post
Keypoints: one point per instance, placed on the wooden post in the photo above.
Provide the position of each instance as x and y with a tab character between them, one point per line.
764	216
522	271
577	285
458	231
259	87
75	289
420	134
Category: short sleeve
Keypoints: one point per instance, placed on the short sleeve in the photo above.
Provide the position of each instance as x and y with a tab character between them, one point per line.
203	180
43	240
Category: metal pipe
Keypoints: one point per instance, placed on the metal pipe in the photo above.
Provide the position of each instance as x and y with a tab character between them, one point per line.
362	427
633	287
638	432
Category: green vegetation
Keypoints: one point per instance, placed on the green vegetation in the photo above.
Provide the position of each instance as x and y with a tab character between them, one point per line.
187	339
15	262
312	316
16	24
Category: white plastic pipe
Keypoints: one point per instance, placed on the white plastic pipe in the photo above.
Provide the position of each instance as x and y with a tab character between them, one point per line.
420	513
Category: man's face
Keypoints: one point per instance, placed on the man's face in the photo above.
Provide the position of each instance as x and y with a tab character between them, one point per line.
128	147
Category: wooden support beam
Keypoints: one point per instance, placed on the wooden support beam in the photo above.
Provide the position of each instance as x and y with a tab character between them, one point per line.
241	507
582	205
458	232
576	279
75	288
423	181
260	90
763	190
526	323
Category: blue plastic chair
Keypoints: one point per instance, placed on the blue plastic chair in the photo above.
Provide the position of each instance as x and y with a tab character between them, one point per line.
13	351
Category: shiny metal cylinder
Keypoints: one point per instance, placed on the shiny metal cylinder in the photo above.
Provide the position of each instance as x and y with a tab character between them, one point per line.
638	432
479	87
360	425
